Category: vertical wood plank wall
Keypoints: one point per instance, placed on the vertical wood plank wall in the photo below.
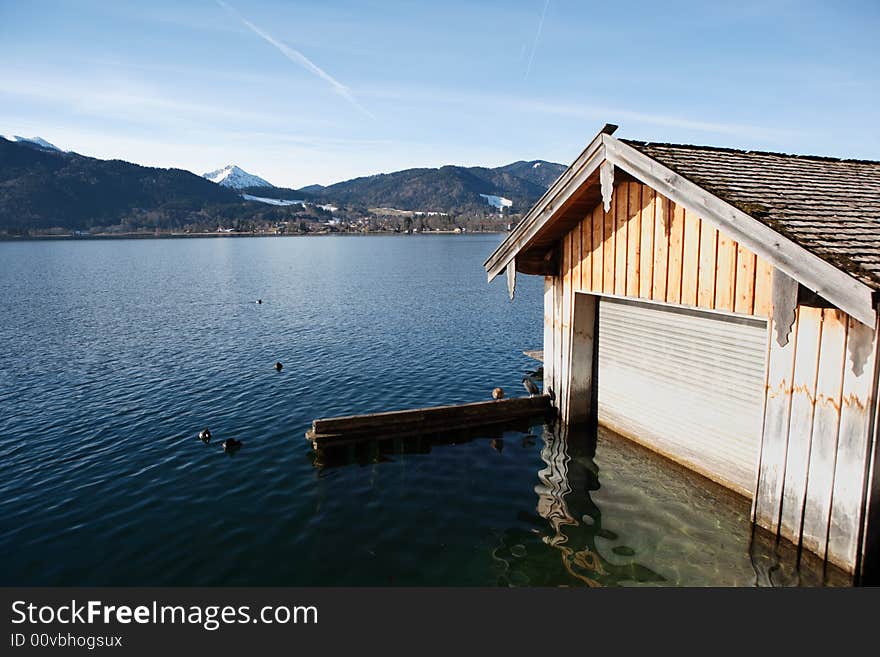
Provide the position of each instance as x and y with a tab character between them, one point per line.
648	247
819	395
817	422
645	247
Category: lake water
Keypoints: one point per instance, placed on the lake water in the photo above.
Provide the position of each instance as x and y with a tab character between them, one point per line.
116	353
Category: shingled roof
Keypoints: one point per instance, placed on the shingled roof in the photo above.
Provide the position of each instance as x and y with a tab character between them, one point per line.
828	206
815	220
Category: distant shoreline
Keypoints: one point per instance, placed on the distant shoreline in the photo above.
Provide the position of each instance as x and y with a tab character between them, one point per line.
153	236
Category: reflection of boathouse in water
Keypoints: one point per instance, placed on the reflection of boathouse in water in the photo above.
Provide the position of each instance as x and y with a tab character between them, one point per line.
720	307
617	514
604	511
564	500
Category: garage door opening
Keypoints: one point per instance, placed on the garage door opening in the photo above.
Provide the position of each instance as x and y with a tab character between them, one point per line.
686	383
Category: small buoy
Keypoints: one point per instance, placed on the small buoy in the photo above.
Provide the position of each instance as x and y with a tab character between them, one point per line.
497	444
205	435
498	393
231	445
278	366
259	301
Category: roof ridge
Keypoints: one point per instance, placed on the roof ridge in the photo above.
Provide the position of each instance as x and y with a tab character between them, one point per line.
697	147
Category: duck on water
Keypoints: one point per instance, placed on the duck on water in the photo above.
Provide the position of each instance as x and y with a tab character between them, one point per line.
231	445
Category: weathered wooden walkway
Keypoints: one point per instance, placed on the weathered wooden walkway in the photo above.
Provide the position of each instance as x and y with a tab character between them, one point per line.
328	432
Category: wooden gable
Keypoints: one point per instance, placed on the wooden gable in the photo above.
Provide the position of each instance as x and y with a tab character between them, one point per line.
532	246
648	247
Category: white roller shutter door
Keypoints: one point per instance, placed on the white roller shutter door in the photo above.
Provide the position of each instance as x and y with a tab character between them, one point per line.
687	383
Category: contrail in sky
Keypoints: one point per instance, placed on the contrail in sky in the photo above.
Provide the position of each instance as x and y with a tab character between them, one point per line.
537	36
298	58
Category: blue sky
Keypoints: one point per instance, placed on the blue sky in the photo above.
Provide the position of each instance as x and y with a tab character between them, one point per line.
314	92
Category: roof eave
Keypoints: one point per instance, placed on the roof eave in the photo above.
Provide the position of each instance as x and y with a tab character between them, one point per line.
838	287
543	211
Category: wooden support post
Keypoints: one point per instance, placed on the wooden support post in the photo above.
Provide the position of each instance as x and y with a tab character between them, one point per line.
581	368
549	332
559	353
564	378
870	566
511	278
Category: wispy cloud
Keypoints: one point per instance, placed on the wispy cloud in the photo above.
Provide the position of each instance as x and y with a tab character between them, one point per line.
537	37
298	58
575	108
608	113
125	100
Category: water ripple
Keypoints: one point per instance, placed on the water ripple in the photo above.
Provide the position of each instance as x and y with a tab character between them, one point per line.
115	354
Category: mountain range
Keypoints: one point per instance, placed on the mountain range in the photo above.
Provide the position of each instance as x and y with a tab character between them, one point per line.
43	187
446	189
513	188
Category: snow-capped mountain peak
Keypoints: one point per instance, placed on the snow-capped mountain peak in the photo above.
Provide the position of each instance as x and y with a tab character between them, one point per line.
36	141
233	176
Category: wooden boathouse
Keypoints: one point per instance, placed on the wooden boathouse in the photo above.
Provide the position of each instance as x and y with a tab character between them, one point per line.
720	307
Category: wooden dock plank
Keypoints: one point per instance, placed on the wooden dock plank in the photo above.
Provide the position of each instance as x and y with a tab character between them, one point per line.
326	432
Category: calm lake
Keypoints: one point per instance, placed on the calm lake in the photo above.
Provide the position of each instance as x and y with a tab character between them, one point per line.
116	353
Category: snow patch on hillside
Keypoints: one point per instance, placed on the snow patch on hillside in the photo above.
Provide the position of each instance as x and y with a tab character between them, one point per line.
36	141
271	201
497	201
285	202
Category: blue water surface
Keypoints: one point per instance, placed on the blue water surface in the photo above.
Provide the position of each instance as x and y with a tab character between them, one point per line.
116	353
